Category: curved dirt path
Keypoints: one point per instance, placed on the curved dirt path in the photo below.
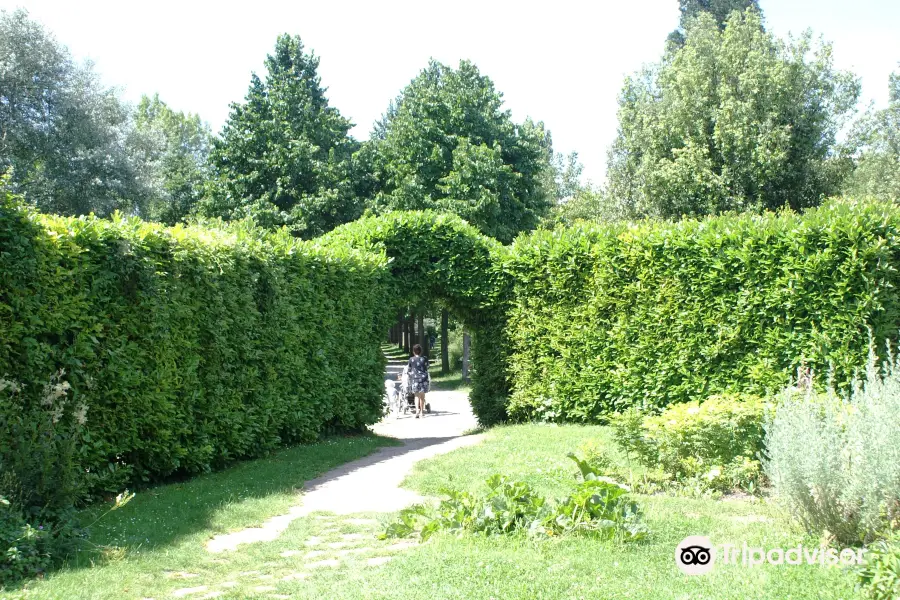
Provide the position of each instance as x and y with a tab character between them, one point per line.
372	484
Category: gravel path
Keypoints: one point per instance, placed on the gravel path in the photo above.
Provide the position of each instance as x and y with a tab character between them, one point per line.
372	484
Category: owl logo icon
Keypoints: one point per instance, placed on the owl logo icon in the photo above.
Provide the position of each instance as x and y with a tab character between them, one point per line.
695	555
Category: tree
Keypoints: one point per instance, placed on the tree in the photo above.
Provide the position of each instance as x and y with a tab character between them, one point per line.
563	177
62	134
588	203
720	10
573	200
734	120
447	144
876	137
284	157
171	152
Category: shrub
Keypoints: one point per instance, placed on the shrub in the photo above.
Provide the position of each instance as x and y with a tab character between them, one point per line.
188	347
598	507
40	478
606	317
836	461
879	577
715	444
25	549
39	469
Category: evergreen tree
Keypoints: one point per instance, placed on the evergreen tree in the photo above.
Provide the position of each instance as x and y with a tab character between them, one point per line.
284	157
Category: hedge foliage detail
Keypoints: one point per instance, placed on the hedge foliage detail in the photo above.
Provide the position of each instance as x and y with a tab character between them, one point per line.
195	346
190	347
604	318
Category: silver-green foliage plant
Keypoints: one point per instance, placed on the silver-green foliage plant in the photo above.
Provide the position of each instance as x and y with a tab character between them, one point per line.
836	460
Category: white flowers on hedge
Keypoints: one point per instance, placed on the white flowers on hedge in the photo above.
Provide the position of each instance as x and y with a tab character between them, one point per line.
836	461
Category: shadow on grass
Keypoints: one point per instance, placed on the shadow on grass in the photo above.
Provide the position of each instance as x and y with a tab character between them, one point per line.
248	491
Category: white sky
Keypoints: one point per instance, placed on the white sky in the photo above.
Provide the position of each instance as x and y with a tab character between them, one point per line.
561	62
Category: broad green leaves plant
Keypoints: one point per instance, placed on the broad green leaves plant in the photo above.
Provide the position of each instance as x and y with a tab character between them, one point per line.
879	577
598	507
439	257
190	347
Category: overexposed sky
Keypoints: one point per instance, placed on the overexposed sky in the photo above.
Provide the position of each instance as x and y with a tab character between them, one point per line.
561	62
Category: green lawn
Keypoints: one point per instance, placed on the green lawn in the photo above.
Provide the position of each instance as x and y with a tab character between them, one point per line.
584	568
452	381
164	528
178	519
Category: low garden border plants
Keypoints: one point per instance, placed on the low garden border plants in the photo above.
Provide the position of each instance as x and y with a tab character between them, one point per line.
598	506
712	446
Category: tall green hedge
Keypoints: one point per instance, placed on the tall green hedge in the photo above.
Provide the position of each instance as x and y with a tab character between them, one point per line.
440	258
194	346
607	317
190	347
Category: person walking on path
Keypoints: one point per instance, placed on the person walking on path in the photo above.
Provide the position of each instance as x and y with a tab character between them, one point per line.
419	379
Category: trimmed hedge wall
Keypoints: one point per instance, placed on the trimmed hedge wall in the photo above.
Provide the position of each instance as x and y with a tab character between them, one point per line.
440	258
190	347
604	318
195	346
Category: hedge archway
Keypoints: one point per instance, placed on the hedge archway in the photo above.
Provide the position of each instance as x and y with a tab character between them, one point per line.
439	257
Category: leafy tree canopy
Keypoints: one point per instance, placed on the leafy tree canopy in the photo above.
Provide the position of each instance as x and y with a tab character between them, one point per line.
62	133
876	137
447	144
734	120
171	152
284	157
720	10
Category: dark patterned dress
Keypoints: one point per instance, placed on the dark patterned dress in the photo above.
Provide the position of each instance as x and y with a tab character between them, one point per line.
418	375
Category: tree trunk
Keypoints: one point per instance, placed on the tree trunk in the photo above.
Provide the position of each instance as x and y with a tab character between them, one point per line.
445	345
399	339
422	341
406	335
412	330
465	366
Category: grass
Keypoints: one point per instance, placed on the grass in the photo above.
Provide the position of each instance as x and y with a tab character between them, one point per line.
164	528
447	566
583	568
393	352
452	381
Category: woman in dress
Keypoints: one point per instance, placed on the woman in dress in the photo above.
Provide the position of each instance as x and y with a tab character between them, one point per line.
418	379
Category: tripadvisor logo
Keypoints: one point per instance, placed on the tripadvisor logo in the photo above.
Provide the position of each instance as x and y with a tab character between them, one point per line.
696	555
